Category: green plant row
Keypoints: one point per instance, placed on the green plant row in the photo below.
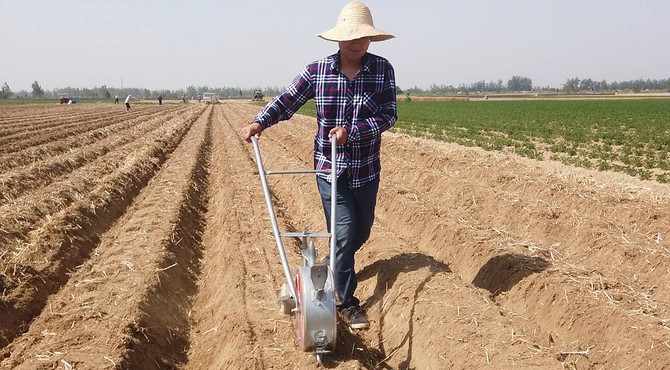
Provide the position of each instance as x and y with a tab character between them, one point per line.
630	136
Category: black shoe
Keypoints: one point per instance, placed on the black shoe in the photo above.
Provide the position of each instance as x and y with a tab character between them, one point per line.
355	317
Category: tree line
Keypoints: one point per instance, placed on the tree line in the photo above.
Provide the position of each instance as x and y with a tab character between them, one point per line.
105	92
525	84
515	84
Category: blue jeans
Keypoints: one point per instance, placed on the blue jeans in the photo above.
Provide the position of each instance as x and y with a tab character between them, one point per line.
355	215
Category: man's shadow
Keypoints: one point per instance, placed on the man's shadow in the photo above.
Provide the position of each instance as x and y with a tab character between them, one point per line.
499	274
502	272
350	345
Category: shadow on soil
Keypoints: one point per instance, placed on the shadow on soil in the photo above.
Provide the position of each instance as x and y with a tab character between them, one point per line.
501	273
350	345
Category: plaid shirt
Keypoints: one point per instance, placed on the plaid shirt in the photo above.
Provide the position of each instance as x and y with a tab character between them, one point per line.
365	107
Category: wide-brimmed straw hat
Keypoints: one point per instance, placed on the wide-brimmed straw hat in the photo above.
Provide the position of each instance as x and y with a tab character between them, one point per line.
355	22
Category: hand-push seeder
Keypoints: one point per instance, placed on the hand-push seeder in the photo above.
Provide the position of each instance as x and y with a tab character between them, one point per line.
312	295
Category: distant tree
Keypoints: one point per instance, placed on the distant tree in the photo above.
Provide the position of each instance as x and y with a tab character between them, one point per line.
191	91
6	92
499	86
436	89
37	90
105	91
603	85
518	83
571	84
586	84
398	90
478	86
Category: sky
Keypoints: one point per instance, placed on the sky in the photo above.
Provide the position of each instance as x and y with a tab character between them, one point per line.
264	43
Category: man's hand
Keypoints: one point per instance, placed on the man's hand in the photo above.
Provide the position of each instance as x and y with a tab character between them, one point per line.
341	135
254	128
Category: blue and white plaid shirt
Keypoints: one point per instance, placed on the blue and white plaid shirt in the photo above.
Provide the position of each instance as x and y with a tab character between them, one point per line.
365	107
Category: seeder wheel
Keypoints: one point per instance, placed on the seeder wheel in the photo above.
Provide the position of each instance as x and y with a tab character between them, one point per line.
316	315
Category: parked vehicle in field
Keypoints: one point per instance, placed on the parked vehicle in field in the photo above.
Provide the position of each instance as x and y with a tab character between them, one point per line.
64	98
258	95
210	97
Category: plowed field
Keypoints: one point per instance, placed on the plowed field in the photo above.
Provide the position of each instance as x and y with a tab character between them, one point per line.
140	240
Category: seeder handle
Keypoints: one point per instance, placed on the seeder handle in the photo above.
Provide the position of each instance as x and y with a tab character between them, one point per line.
273	219
333	203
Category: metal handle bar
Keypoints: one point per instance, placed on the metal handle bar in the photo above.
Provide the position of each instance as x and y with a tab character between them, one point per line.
273	219
294	172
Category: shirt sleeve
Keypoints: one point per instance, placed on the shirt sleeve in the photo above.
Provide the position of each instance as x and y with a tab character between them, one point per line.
284	105
387	113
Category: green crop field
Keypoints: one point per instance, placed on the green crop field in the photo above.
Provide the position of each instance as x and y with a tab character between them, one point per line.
631	136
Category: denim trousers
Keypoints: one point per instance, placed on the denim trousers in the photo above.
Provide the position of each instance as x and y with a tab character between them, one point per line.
355	215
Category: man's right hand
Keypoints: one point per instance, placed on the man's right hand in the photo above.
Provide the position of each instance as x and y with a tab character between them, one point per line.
254	128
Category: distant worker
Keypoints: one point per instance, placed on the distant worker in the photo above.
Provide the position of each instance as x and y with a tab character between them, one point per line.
117	99
183	98
128	102
160	99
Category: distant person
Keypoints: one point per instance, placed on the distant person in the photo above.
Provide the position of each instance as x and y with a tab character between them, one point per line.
117	99
183	98
355	96
160	99
128	102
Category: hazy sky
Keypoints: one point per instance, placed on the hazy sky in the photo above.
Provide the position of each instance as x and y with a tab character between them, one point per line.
260	43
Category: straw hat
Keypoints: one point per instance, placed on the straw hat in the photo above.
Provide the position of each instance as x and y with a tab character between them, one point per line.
354	22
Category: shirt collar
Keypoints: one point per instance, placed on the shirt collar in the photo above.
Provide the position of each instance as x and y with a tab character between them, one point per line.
335	64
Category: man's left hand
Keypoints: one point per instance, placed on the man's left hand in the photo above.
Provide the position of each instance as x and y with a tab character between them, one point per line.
341	135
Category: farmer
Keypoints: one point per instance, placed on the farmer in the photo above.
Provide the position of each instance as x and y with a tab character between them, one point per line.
116	101
128	102
355	96
160	99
